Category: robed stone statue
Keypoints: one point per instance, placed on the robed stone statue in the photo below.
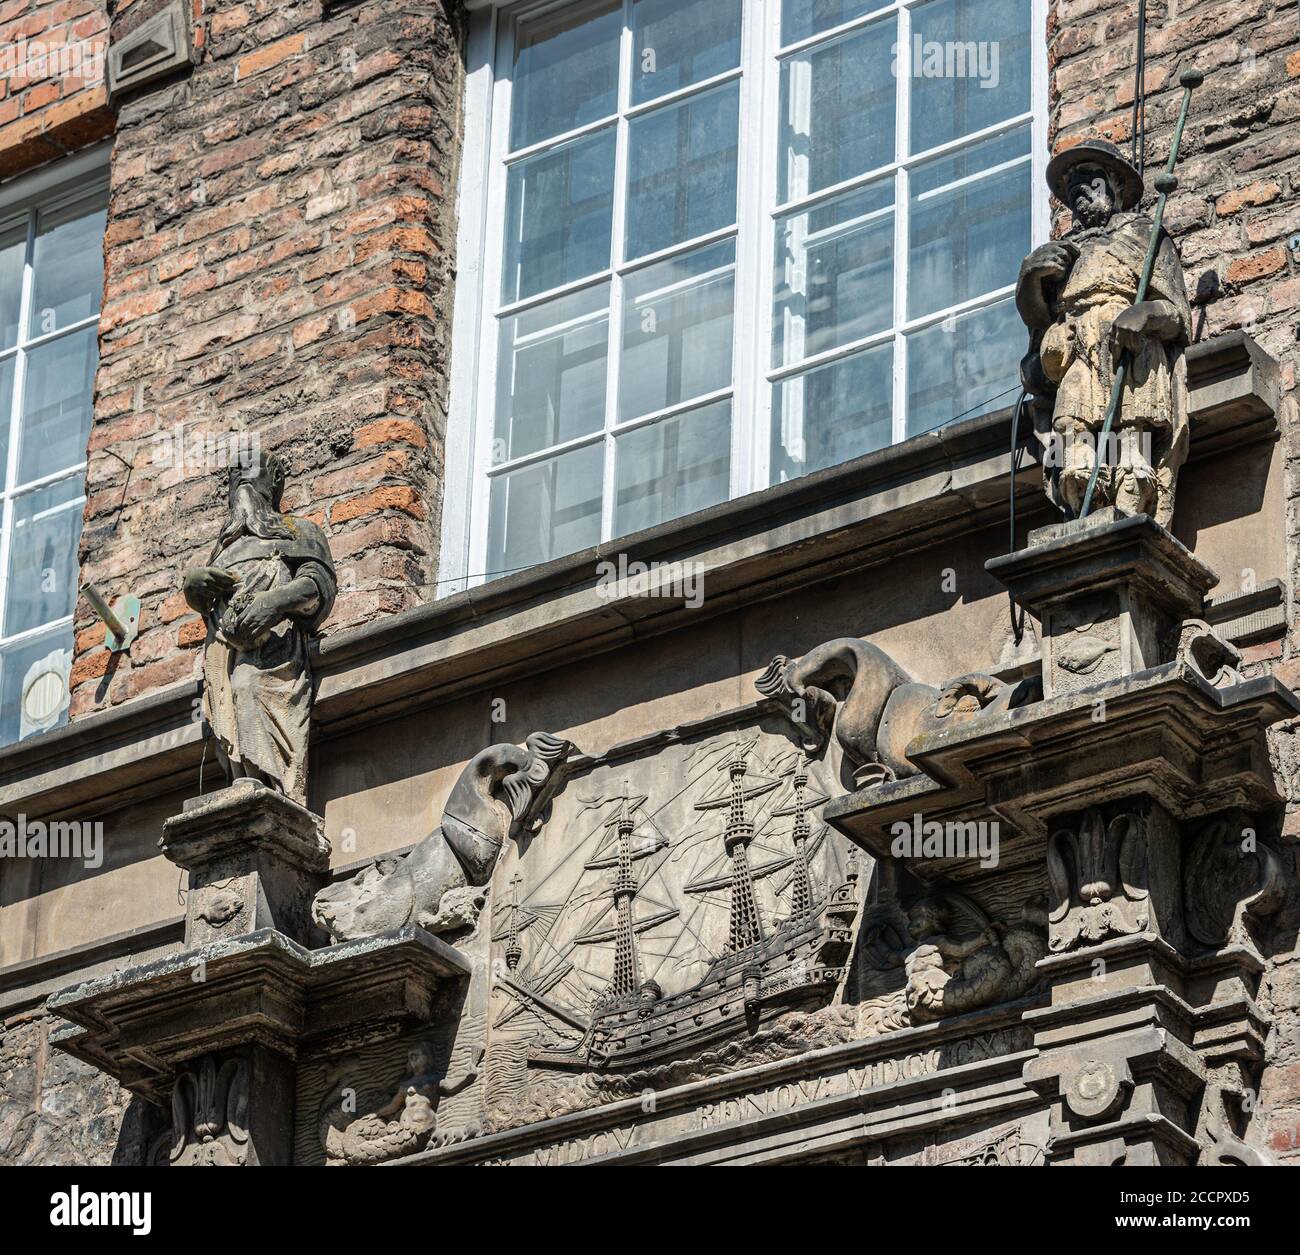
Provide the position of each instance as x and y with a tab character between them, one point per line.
268	586
1077	295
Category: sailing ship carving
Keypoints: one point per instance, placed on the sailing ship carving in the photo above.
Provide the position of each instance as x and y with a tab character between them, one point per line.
771	961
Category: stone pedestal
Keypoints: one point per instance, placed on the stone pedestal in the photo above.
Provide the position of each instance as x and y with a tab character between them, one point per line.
1111	592
218	1031
255	861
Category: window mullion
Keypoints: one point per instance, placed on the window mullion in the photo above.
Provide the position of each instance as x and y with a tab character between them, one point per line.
15	419
748	465
618	237
1040	213
902	144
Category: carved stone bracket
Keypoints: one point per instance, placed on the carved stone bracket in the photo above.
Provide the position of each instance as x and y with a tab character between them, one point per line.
1111	592
1102	866
255	859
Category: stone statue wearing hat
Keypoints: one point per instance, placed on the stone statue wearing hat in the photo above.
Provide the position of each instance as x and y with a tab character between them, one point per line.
268	586
1076	295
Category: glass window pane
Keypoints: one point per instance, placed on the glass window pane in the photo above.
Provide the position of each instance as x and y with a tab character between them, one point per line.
677	330
834	274
837	111
566	71
13	252
970	65
833	413
43	556
682	171
680	42
551	373
56	404
545	511
970	223
963	367
673	467
38	668
67	265
559	211
802	18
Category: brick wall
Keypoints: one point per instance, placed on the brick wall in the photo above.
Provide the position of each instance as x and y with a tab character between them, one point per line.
277	264
53	98
1233	216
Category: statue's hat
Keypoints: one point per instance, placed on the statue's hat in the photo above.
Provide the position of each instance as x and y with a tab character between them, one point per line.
1096	152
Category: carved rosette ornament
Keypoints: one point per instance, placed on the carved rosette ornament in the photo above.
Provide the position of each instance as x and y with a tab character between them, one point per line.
1097	873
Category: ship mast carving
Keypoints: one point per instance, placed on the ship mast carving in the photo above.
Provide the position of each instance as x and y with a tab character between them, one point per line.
746	929
627	974
801	893
514	951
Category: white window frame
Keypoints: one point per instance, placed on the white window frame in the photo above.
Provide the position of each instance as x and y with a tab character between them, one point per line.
481	206
59	183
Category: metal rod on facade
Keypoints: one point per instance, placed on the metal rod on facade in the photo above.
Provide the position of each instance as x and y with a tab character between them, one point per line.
1165	183
1140	93
102	608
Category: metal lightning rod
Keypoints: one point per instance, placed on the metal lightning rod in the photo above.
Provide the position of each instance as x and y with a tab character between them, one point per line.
1165	183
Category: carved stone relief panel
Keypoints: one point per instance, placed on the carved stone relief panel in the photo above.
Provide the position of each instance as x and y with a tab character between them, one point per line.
1083	642
676	899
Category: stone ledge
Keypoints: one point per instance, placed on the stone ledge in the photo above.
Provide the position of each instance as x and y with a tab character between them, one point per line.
140	1025
846	518
1168	735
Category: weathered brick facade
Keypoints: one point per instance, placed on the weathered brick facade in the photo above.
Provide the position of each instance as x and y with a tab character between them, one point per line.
278	263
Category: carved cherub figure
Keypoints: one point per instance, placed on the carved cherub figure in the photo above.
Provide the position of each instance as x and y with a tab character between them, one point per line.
958	960
1077	295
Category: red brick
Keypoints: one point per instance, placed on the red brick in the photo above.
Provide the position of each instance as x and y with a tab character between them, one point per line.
1257	266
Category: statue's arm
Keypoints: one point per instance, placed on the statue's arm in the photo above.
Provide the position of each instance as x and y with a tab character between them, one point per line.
1047	265
298	599
1148	320
205	584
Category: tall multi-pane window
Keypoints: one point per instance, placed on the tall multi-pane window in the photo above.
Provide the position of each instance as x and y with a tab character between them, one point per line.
51	278
719	244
